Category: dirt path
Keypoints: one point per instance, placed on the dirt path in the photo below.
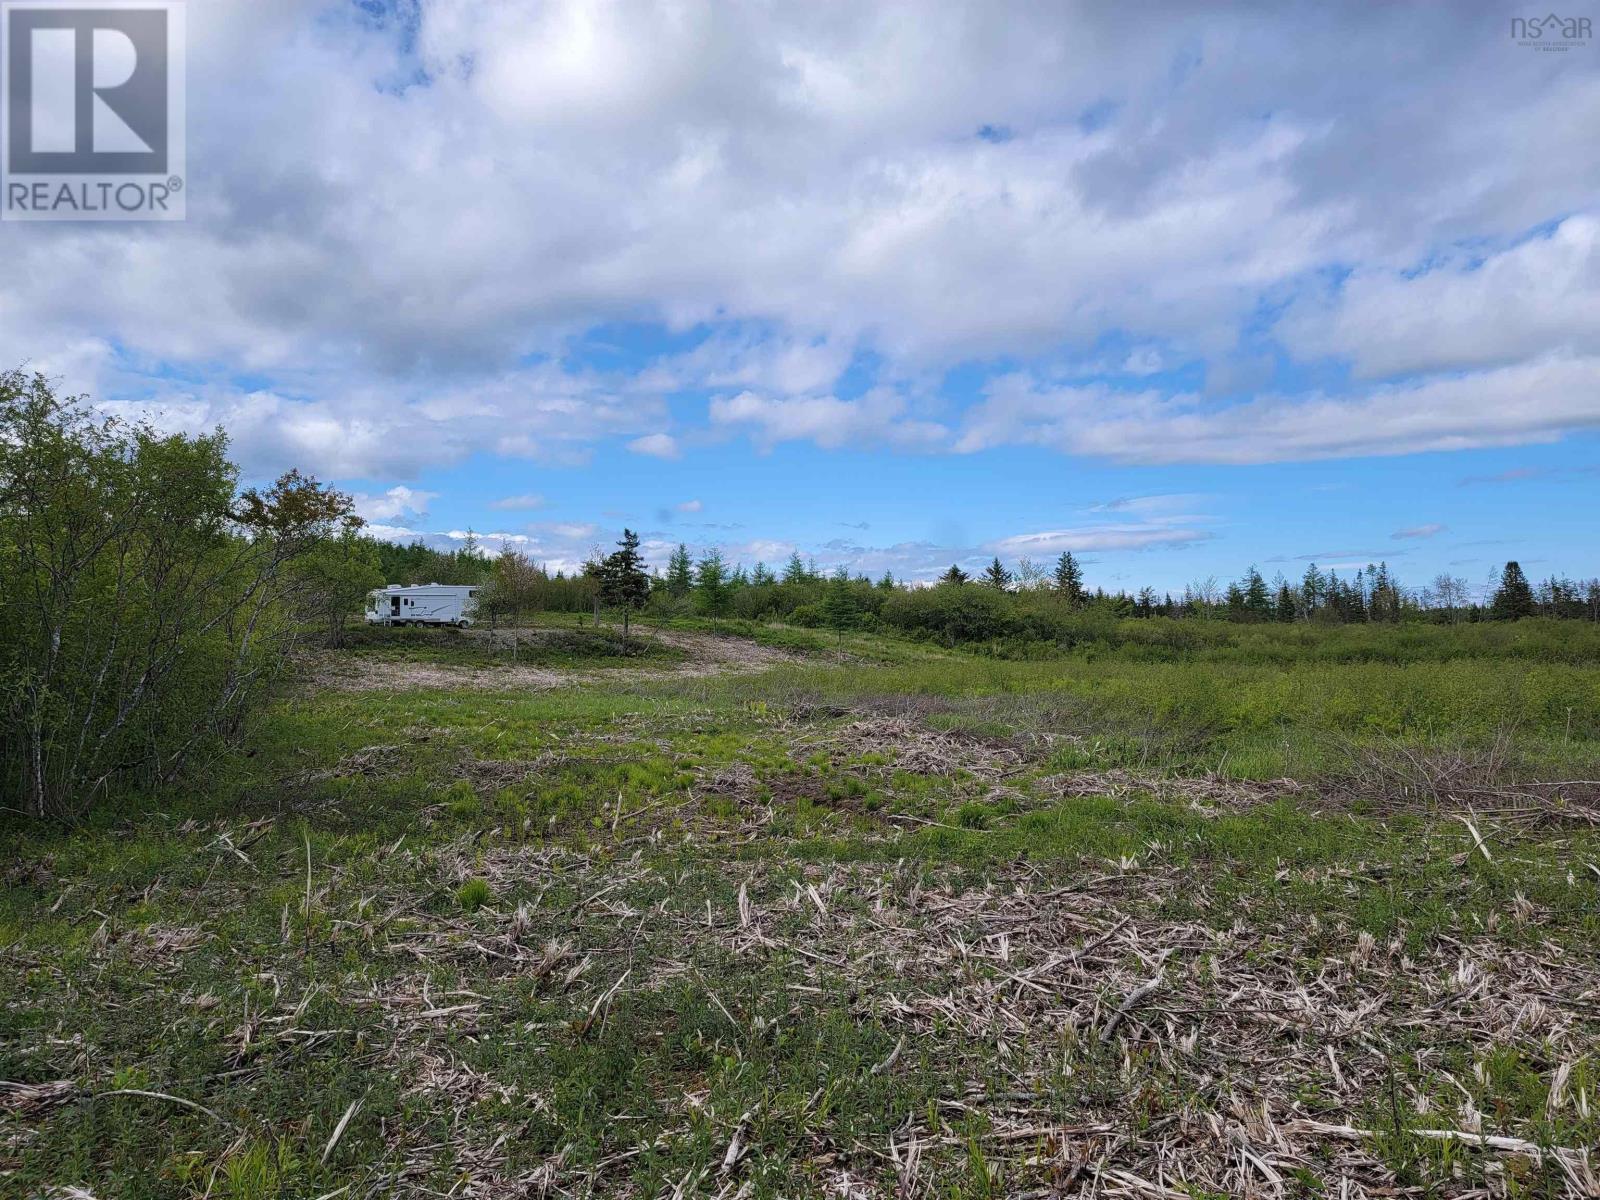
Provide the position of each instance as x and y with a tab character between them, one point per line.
709	654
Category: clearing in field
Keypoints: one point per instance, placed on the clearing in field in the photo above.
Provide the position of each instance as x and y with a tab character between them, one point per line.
809	915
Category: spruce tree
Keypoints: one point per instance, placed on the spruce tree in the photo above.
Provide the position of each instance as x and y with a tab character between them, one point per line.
1067	579
1384	602
1335	599
1313	588
623	581
1284	608
680	573
794	571
713	593
839	609
1514	598
1236	603
954	575
1257	601
996	575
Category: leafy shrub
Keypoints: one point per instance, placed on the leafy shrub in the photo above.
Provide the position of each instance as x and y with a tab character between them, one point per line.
807	616
952	613
146	605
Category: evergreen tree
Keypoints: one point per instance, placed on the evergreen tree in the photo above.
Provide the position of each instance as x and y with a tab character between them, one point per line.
1284	607
1559	597
1313	589
886	583
1068	579
996	576
1384	599
794	571
1257	601
1336	598
623	581
713	593
1147	602
762	576
1236	603
839	608
1514	598
954	575
680	573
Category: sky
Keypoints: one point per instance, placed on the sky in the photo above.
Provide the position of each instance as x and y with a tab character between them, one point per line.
1178	288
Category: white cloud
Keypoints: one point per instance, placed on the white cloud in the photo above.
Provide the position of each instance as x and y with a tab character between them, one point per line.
764	358
657	445
401	254
879	418
1164	506
690	506
359	429
398	501
1538	297
1419	531
1146	360
1538	401
571	530
526	500
1095	537
1147	522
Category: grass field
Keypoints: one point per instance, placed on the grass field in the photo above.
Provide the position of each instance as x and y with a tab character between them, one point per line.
795	913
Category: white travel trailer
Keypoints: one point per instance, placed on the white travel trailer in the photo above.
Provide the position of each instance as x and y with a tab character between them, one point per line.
422	604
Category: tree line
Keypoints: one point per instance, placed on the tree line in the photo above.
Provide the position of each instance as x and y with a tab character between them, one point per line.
800	592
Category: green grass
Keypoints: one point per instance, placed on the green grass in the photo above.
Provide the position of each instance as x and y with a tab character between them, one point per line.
594	935
541	645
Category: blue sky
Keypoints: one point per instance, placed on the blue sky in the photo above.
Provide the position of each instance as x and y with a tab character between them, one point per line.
1424	514
1232	287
